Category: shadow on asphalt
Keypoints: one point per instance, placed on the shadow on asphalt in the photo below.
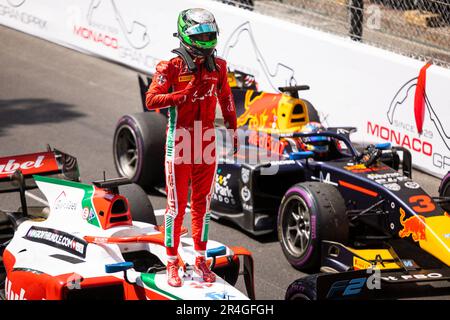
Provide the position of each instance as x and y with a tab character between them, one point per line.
266	238
34	111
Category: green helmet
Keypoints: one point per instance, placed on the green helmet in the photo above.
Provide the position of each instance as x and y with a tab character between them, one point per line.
197	30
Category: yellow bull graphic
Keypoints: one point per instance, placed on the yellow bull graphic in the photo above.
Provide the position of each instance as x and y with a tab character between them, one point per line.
273	112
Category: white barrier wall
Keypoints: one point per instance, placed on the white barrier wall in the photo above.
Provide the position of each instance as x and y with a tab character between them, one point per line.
351	84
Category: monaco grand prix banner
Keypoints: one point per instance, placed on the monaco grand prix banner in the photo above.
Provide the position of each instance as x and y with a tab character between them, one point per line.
386	96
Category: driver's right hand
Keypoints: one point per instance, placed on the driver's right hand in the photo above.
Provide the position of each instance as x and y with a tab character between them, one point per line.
370	155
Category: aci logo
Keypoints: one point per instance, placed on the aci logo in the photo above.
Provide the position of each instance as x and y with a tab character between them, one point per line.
353	287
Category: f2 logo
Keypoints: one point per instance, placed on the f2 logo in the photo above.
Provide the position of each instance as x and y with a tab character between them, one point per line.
346	287
423	203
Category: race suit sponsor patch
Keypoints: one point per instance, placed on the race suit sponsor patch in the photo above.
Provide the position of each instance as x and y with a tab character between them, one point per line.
185	78
58	239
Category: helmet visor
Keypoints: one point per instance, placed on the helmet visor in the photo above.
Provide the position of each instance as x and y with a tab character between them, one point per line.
204	37
204	40
201	28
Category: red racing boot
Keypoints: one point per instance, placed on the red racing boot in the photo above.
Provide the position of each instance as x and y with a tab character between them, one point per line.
173	279
202	269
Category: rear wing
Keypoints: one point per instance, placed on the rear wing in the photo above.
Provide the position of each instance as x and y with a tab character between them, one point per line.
293	90
16	172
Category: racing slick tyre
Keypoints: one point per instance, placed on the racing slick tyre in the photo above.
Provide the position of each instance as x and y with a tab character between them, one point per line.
444	191
309	213
303	289
141	208
138	148
313	115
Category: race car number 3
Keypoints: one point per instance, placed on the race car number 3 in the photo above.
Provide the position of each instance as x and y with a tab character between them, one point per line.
423	203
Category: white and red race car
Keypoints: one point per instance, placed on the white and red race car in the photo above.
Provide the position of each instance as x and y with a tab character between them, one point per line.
86	243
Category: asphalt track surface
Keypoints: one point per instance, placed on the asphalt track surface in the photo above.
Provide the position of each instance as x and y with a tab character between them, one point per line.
53	95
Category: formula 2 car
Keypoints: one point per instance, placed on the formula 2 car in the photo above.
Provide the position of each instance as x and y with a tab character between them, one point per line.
356	208
88	243
373	231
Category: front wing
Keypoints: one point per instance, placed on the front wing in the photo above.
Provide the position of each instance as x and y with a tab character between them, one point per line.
376	284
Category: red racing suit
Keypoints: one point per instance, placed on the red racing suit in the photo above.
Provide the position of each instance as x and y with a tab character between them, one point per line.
190	157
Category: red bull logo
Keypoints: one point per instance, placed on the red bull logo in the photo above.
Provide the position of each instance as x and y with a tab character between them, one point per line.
260	111
413	226
267	142
272	112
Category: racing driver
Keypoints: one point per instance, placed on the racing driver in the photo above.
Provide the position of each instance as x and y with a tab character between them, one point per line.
190	85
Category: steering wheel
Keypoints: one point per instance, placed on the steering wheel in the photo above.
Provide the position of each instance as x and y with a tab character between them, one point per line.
370	155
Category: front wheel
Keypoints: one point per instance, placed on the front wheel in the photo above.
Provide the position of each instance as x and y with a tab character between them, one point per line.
309	213
303	289
444	191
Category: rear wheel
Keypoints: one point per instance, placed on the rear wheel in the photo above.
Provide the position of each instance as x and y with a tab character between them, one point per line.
303	289
141	208
138	148
309	213
444	191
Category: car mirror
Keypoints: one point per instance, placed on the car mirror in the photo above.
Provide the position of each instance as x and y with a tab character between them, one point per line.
214	252
117	267
383	146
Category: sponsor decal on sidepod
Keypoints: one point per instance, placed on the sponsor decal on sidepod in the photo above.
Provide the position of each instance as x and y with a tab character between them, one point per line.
414	226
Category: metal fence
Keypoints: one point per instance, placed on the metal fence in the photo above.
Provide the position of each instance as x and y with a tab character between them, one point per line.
415	28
